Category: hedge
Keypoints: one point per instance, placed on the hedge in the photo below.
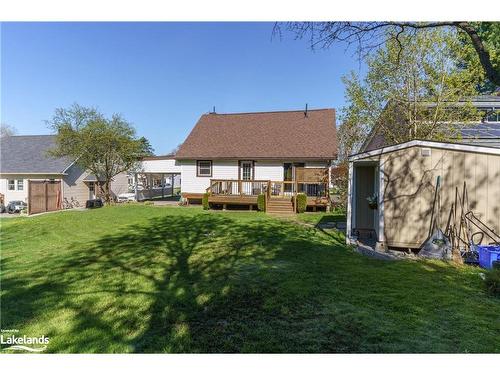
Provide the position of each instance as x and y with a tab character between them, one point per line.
204	202
301	202
261	202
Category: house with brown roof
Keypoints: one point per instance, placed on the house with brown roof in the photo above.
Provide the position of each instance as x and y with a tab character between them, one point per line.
236	157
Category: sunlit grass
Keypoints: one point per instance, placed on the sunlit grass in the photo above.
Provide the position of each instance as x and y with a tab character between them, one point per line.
139	278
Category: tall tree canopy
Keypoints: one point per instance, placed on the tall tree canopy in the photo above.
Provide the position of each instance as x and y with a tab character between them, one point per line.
103	146
418	91
409	93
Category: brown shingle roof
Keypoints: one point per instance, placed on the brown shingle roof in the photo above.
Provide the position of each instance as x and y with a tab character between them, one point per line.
261	135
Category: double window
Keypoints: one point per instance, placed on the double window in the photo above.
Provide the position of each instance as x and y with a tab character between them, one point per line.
12	185
204	168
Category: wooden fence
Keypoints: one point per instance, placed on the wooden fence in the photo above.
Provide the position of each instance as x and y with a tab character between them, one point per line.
43	196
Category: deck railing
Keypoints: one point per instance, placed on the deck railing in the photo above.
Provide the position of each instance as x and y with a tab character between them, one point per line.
312	189
237	187
282	189
273	189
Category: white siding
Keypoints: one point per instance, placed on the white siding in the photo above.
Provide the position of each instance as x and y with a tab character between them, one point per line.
14	195
160	166
269	170
221	169
228	169
119	184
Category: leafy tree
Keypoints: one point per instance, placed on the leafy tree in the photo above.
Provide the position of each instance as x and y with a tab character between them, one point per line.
417	92
105	147
148	149
7	130
489	32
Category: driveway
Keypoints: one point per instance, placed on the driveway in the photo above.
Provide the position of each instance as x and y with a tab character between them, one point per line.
5	214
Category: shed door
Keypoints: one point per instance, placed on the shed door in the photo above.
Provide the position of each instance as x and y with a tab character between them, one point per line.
365	187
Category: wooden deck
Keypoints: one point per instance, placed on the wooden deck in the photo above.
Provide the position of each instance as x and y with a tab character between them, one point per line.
280	196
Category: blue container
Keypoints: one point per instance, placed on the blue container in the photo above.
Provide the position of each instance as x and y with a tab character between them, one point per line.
488	254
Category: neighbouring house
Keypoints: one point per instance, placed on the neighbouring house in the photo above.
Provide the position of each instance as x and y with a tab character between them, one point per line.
485	133
392	188
29	174
236	157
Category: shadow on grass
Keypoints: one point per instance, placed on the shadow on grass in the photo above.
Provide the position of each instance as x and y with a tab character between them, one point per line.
175	284
211	283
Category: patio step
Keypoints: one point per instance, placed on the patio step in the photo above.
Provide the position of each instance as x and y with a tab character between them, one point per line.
280	206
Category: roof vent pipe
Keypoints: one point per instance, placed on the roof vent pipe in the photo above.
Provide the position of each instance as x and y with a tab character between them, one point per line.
305	112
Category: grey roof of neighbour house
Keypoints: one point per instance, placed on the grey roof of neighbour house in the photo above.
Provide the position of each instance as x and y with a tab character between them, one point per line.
28	154
92	178
486	133
482	130
483	134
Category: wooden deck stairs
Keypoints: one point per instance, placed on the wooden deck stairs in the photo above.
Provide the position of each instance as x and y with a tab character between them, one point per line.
280	206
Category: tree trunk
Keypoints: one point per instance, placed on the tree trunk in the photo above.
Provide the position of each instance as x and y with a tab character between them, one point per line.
107	193
483	54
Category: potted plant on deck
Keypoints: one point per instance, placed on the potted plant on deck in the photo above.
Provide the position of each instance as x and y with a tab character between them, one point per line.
372	201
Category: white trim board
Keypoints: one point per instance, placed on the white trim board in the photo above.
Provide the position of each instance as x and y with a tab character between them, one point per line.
430	144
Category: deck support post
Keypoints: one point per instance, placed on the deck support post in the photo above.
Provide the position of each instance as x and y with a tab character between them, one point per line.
162	185
224	206
135	187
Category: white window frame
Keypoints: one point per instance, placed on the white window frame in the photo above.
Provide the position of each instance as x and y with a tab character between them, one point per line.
9	185
242	168
22	185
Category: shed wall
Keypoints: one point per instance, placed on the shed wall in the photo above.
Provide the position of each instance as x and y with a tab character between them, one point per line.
410	182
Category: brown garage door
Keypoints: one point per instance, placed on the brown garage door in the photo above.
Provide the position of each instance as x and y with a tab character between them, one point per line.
44	196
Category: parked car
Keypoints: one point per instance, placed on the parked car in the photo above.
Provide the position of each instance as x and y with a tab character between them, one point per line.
126	197
16	206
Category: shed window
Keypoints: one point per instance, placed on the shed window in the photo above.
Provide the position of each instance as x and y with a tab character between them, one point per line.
12	185
20	184
204	168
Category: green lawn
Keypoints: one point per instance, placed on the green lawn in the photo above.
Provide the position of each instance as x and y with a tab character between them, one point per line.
140	278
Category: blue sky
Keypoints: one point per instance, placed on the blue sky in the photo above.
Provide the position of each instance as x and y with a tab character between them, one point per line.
162	76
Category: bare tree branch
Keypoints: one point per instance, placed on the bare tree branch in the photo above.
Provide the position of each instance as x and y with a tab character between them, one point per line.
368	36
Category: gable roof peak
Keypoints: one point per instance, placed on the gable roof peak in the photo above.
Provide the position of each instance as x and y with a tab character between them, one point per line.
261	135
